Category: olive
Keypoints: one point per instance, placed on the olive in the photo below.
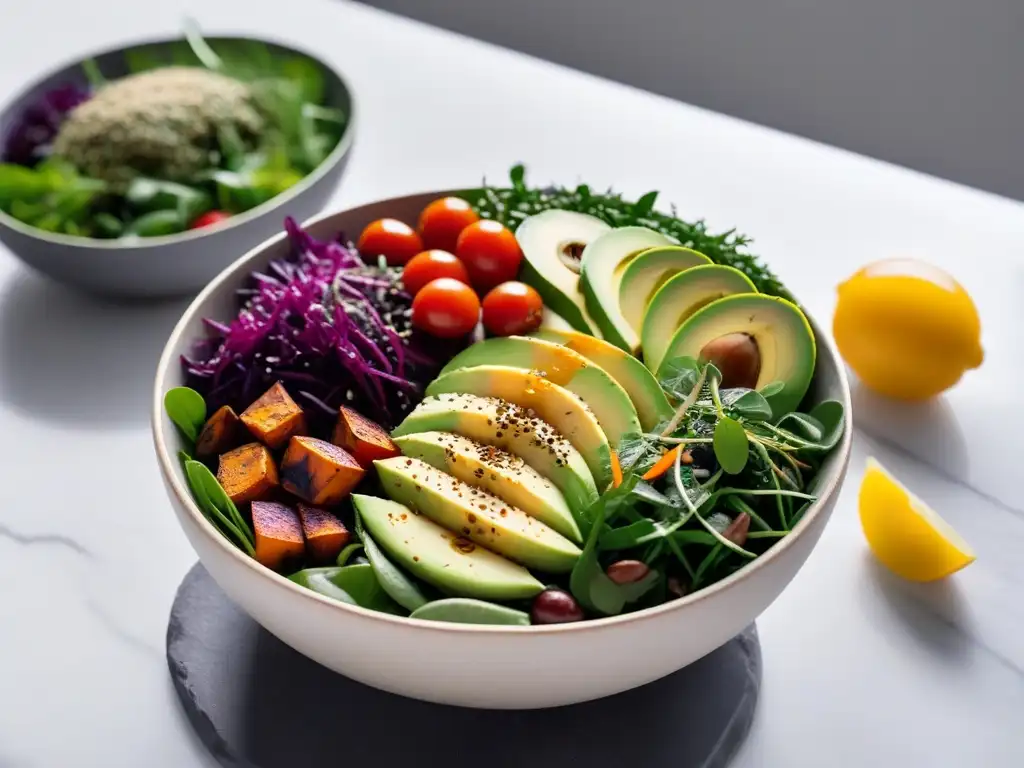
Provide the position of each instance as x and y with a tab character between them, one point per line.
555	606
627	571
736	355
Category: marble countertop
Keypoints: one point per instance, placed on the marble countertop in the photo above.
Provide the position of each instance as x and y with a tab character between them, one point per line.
860	669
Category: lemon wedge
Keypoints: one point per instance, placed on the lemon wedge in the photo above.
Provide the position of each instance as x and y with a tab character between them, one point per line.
908	537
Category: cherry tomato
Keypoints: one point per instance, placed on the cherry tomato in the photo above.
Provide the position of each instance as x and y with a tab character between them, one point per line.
210	217
443	220
446	308
512	308
490	253
394	240
430	265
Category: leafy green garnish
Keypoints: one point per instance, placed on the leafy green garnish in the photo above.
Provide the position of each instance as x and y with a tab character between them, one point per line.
218	508
731	447
353	584
187	409
511	205
464	610
348	552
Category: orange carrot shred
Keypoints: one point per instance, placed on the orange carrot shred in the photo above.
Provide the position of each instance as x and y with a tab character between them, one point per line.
616	471
663	464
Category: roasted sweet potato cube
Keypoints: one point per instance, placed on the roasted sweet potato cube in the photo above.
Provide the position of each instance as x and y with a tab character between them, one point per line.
318	472
325	534
247	473
279	542
274	417
364	439
219	434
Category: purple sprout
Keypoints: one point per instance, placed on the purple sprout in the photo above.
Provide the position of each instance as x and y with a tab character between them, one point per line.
333	330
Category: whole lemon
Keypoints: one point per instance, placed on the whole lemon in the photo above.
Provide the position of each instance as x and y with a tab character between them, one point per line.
907	328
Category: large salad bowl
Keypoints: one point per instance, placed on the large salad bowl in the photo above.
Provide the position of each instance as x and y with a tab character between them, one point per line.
505	667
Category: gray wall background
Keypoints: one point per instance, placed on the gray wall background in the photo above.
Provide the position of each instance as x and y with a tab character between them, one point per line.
934	85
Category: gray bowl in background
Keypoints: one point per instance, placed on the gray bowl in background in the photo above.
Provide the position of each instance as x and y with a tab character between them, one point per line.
171	265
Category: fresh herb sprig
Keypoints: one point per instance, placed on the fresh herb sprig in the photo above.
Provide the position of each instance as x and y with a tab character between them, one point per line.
511	205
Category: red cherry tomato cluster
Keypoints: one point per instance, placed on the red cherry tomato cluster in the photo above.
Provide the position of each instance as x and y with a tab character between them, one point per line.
449	261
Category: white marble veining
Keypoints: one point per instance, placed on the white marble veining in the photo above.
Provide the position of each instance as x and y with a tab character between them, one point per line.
860	669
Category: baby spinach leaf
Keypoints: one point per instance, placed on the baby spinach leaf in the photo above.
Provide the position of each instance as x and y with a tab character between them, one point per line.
187	409
730	445
353	584
217	496
346	554
156	224
634	591
205	489
802	425
146	195
710	560
588	582
830	414
747	403
690	536
462	610
772	388
402	589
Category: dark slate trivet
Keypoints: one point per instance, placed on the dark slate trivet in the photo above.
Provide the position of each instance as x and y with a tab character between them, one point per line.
257	703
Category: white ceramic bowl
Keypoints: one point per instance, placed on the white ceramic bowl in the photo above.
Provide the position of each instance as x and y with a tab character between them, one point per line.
471	665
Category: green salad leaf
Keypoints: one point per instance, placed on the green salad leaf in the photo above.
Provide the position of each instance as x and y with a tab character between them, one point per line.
353	584
464	610
214	503
187	409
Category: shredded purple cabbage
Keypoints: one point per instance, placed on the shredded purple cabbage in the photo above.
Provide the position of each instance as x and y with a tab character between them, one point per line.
29	139
333	330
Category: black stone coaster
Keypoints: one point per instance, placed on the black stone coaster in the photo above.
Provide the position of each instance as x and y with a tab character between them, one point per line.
257	703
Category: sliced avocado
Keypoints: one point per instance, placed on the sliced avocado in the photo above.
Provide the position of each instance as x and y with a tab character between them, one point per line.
559	365
552	243
440	557
496	471
476	515
647	273
681	296
551	403
643	389
602	266
488	420
754	340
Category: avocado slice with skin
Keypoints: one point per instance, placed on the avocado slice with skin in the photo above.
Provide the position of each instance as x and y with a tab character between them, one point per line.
552	242
442	558
602	266
559	365
784	342
496	471
648	397
679	298
647	273
488	420
551	403
476	515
